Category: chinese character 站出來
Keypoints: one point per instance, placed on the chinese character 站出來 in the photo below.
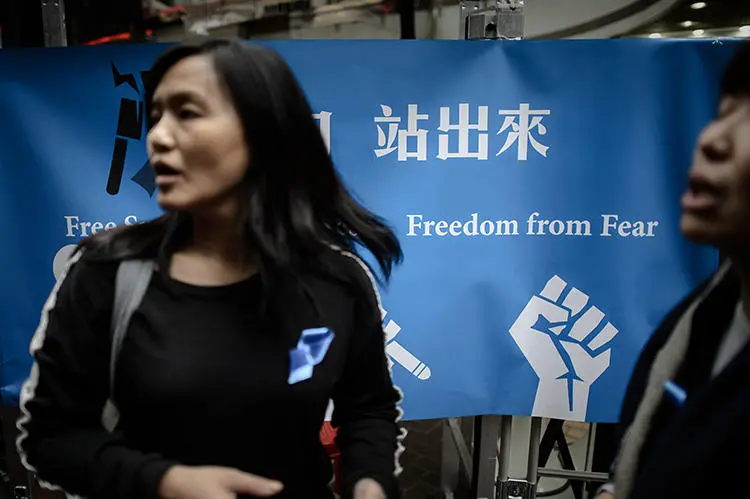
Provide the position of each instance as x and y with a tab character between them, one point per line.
521	130
463	127
399	136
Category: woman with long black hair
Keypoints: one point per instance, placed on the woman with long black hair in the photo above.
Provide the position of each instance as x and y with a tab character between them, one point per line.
256	249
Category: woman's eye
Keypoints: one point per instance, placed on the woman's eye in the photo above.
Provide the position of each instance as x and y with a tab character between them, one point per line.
188	113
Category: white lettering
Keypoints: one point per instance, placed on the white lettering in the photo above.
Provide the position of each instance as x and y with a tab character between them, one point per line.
470	228
473	226
84	228
540	227
582	228
415	222
627	228
608	224
521	131
72	223
75	227
530	223
461	130
507	228
394	138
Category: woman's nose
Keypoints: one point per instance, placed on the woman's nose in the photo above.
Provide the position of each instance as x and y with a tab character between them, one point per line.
715	142
160	138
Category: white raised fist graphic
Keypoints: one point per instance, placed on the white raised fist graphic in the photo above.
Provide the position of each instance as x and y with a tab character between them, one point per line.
566	344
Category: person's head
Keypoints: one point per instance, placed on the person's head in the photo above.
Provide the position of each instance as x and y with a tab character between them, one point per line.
199	138
716	207
232	135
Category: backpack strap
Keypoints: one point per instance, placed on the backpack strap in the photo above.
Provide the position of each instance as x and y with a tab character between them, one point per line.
133	278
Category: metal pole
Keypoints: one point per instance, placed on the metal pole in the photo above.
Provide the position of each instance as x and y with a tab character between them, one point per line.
450	460
407	17
532	469
485	453
590	447
506	433
53	20
476	457
463	449
584	476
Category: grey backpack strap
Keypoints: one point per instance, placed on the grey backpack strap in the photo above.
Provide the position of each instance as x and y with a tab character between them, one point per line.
133	278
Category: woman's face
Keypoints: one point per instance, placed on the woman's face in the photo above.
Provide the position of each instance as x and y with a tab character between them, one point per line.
716	207
196	143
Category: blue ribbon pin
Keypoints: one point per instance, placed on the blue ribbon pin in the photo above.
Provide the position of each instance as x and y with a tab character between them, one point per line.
675	392
310	351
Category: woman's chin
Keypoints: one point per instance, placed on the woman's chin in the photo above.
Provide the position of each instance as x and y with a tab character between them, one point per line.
700	230
168	201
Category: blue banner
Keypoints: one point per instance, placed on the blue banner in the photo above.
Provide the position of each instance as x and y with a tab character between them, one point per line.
534	185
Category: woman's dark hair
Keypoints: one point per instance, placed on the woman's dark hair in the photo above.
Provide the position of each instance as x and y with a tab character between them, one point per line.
736	79
296	205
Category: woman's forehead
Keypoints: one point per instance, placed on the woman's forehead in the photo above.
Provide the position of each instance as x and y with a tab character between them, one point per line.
193	76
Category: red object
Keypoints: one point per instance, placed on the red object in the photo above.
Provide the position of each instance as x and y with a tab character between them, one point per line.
109	39
116	38
328	439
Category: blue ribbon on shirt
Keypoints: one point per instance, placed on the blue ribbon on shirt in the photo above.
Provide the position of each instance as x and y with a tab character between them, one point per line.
310	351
675	392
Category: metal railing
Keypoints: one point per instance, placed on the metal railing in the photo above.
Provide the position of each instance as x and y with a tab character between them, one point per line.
471	453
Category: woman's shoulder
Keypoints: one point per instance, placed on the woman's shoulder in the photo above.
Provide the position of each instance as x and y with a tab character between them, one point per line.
86	283
352	277
91	265
125	242
352	268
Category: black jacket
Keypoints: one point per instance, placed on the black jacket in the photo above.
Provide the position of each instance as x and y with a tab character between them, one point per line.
203	379
702	448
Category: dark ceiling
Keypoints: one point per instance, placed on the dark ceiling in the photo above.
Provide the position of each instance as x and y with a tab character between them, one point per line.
715	14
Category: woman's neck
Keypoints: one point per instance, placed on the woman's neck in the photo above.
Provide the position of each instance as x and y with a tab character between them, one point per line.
218	238
216	254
